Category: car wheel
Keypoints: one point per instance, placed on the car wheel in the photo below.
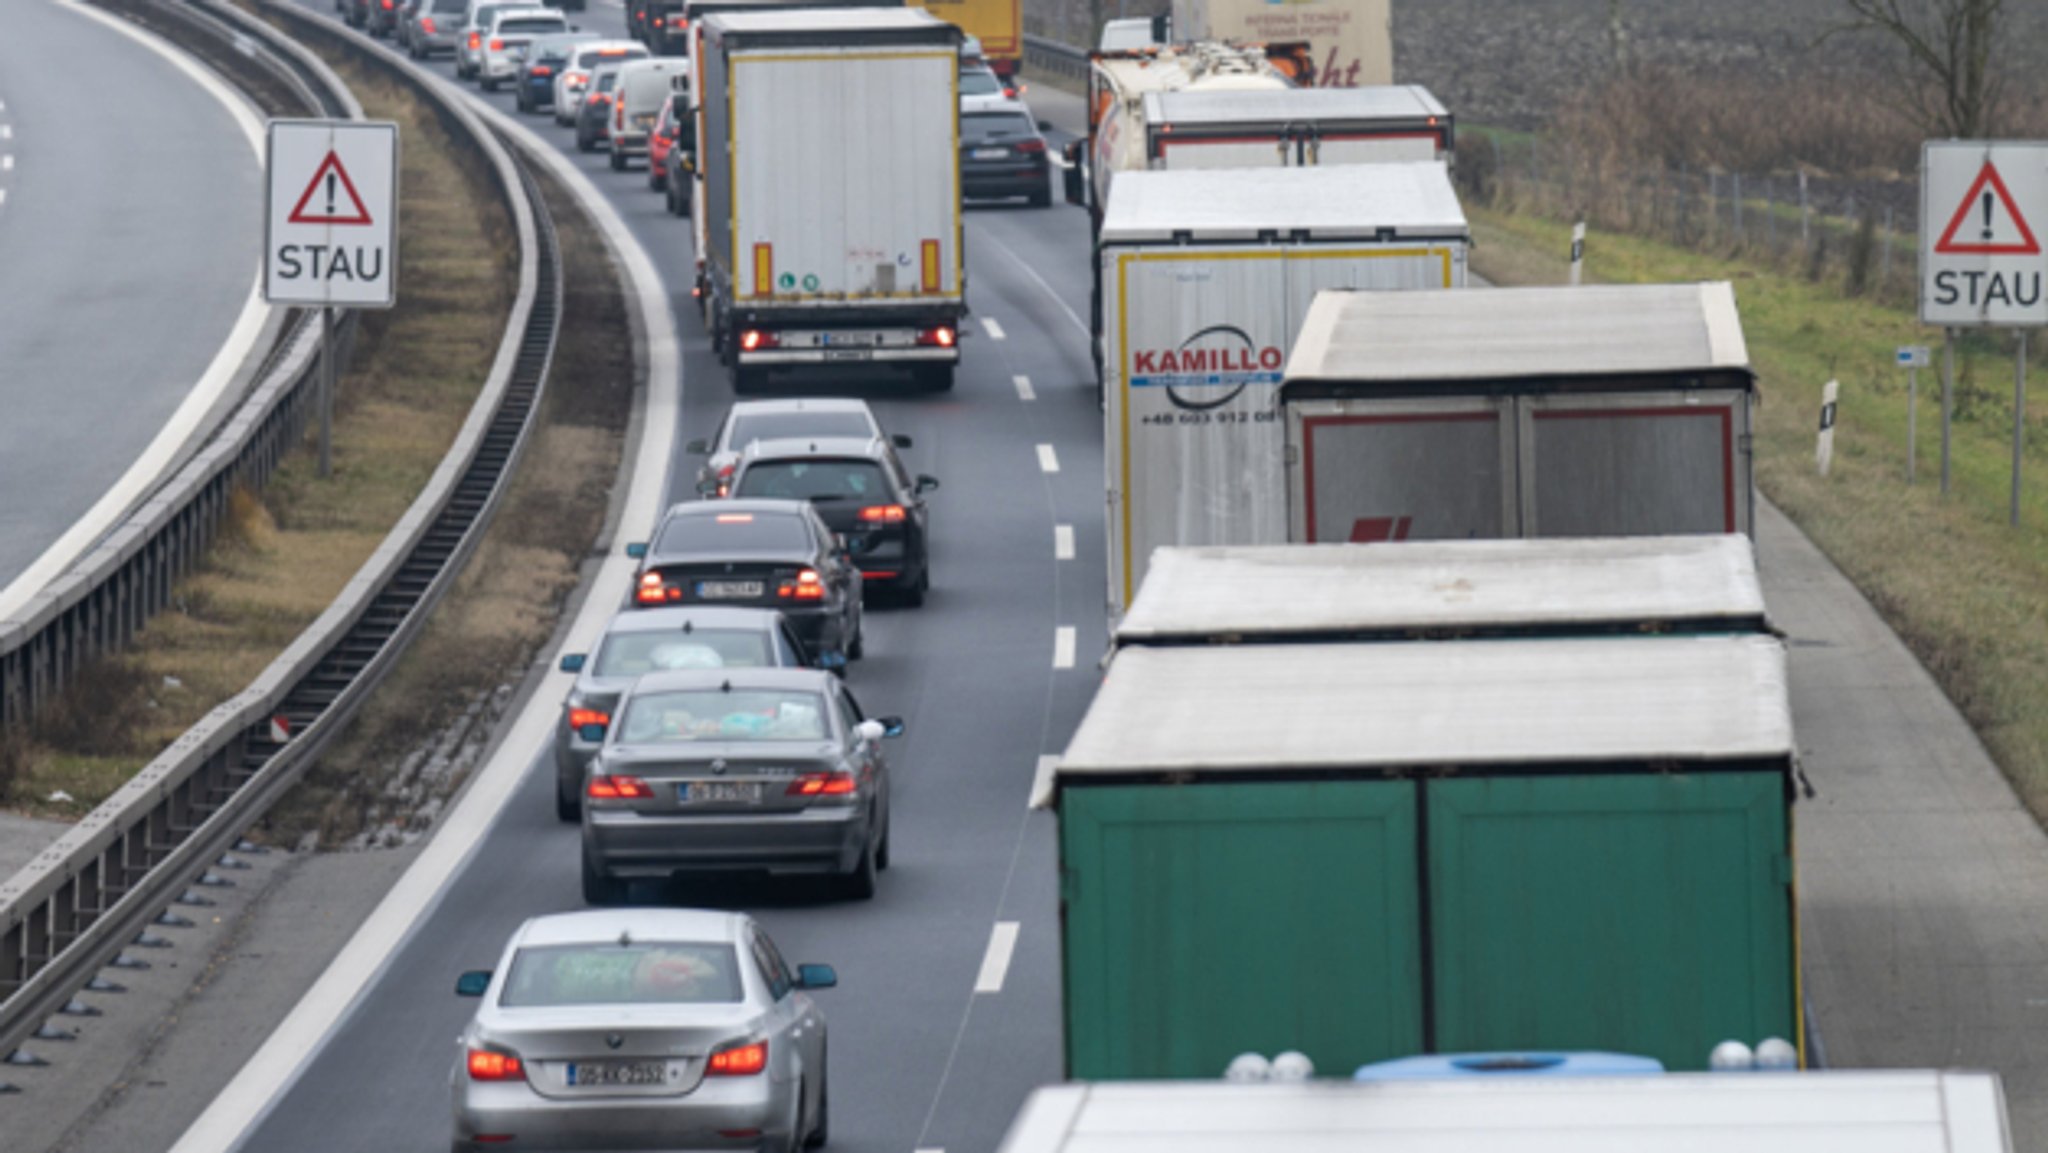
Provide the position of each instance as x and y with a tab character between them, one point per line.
913	594
821	1125
568	806
657	180
669	193
585	143
860	884
882	850
600	890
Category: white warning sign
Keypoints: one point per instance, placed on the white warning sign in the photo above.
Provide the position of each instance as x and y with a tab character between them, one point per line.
1983	206
331	215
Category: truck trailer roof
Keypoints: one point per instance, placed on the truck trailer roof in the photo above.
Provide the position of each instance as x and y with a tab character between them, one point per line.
1520	333
1837	1111
1405	200
1280	107
1491	705
1267	593
833	27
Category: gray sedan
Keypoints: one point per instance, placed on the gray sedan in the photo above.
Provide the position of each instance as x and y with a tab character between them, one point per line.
642	1029
737	769
639	641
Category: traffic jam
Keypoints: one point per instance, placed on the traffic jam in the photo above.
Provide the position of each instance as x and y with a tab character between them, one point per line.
1457	642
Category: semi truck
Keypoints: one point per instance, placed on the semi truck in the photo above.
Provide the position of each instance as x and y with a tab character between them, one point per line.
1206	277
832	232
1351	41
997	24
1612	410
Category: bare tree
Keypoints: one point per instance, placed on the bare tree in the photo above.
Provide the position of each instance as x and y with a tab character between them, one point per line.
1950	79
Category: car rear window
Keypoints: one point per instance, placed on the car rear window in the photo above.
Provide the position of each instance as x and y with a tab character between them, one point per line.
815	480
724	716
634	653
796	425
529	27
734	532
977	82
976	127
647	88
606	81
640	973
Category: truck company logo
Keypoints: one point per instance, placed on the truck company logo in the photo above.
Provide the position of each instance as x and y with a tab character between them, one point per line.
1220	356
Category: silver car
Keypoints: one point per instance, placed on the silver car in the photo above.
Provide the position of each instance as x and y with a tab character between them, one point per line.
639	641
737	769
799	416
574	80
476	24
511	32
642	1029
434	26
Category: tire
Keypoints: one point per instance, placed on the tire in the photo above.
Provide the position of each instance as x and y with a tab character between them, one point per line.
859	885
599	890
618	161
585	143
882	849
859	647
657	179
568	809
913	595
821	1125
935	378
674	209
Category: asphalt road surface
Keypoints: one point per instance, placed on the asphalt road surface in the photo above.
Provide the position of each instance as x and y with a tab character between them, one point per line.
130	227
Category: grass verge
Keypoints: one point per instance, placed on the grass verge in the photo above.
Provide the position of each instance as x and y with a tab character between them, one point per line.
1968	593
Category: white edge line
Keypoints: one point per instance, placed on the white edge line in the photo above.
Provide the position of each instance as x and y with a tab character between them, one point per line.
303	1033
995	963
1063	647
226	365
1048	458
1024	389
1063	542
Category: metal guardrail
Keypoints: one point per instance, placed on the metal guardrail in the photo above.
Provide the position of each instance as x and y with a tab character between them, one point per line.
1043	55
100	603
83	900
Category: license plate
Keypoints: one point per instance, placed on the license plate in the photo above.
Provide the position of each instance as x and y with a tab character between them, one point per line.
719	792
849	354
728	590
989	153
645	121
593	1073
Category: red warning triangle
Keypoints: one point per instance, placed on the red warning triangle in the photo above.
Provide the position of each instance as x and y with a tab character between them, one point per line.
1978	211
328	179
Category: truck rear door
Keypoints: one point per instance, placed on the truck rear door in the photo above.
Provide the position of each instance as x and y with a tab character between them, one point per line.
1384	470
1631	464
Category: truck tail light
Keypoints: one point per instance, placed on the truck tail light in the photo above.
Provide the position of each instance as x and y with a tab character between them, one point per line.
578	718
806	587
883	514
822	785
739	1061
754	339
491	1065
941	337
603	787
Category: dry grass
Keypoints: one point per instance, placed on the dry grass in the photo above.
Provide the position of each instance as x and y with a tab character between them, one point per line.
1967	593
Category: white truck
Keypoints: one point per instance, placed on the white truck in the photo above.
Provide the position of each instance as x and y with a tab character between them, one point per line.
1206	277
832	231
1611	410
1351	41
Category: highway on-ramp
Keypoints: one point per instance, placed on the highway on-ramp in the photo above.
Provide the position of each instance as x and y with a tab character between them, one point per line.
130	227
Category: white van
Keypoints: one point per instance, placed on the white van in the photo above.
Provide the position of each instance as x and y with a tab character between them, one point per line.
644	86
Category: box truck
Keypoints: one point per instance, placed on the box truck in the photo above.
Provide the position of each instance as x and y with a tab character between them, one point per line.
829	158
1206	276
1612	410
1364	851
997	24
1351	41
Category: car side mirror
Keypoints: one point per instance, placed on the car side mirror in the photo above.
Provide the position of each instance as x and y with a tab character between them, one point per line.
816	977
926	483
637	549
572	662
592	733
473	983
899	440
698	447
891	726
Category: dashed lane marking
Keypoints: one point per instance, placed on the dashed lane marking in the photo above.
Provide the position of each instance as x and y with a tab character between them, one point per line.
1024	389
1063	542
1063	647
1048	459
994	330
995	964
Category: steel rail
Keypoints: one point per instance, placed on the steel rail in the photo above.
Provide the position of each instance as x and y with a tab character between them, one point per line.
84	899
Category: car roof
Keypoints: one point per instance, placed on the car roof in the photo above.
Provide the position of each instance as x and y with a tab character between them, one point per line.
737	504
661	64
801	447
683	680
528	12
603	926
696	616
802	404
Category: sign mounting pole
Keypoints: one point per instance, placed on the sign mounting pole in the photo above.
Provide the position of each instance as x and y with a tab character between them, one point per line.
1948	397
328	355
1913	358
2019	425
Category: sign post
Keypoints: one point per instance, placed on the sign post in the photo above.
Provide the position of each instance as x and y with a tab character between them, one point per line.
1983	204
330	229
1824	449
1578	250
2019	427
1913	358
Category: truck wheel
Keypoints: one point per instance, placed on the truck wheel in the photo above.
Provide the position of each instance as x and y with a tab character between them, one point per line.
935	378
618	161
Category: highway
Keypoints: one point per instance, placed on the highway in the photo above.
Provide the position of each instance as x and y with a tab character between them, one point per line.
127	262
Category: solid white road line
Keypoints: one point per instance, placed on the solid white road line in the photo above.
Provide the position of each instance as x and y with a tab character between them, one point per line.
284	1055
994	330
1063	542
1048	459
1024	389
3	196
1063	647
995	964
227	363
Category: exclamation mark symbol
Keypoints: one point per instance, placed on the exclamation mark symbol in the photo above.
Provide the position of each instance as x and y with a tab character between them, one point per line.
1987	209
330	202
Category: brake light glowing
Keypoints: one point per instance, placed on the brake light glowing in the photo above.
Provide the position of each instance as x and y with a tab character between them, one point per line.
821	785
497	45
387	5
940	337
742	1061
609	788
753	340
1032	145
806	587
575	79
476	41
581	717
490	1065
883	513
427	25
735	518
543	70
651	591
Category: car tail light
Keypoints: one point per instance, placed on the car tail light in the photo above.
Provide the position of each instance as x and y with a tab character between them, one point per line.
581	717
941	337
491	1065
497	45
806	587
1032	145
427	25
753	340
652	591
543	70
883	513
821	785
476	41
740	1061
387	5
609	788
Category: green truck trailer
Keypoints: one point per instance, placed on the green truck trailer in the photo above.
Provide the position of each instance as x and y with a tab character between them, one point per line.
1367	850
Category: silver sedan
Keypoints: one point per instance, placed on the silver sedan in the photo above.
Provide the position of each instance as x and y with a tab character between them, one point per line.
642	1029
